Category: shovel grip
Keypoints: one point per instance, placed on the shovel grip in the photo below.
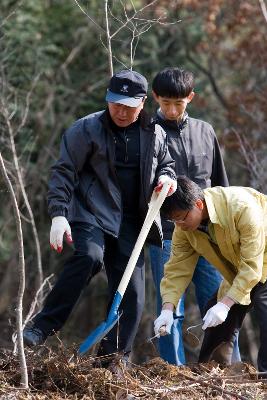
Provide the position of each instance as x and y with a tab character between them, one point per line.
154	207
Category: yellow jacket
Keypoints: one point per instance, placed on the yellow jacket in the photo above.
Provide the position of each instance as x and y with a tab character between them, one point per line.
239	218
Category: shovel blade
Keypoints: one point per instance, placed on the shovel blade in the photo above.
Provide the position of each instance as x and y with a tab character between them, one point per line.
98	334
102	330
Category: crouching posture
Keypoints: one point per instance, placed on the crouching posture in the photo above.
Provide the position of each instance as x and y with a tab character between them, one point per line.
228	227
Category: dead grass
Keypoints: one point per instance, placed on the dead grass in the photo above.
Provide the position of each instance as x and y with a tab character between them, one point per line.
63	375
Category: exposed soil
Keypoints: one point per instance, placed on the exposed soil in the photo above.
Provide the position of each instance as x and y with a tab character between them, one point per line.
63	375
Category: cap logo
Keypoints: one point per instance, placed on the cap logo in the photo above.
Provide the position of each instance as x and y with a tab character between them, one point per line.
124	89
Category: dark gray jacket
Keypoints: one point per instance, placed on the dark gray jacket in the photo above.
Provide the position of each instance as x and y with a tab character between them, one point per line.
84	186
194	147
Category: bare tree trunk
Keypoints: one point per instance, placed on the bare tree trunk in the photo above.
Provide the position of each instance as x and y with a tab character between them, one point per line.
110	63
24	194
21	267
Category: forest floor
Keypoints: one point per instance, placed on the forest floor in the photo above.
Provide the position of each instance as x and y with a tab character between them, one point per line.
63	375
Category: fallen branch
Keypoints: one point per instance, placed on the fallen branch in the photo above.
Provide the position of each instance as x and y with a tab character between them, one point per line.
212	386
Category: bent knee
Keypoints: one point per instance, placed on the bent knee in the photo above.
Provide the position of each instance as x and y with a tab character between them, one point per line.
93	258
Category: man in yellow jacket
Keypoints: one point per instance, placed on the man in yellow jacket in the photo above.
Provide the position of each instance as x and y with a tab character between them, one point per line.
227	226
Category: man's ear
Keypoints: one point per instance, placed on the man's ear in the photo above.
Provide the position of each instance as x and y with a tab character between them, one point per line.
199	204
190	96
155	96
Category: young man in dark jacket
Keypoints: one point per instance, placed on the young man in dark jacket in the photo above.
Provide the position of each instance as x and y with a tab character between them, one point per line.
193	145
109	164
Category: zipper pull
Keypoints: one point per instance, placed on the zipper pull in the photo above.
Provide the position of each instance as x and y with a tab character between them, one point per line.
126	150
126	146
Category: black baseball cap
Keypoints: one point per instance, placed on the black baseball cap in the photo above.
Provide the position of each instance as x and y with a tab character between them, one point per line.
127	87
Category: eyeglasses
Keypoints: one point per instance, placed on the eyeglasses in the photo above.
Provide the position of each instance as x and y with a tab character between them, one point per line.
177	221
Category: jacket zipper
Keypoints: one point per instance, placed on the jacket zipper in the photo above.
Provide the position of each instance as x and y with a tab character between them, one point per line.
184	148
126	139
112	158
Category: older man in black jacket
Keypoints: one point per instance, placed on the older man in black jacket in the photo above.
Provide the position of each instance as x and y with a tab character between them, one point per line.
109	164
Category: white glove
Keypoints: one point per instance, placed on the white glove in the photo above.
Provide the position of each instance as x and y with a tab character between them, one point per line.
59	227
216	315
164	320
163	179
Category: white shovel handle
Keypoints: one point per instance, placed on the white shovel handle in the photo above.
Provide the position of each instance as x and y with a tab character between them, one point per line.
154	207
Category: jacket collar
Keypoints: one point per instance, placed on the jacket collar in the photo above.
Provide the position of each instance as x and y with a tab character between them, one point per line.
173	125
146	122
213	216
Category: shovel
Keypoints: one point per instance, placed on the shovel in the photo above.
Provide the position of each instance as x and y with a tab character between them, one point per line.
113	316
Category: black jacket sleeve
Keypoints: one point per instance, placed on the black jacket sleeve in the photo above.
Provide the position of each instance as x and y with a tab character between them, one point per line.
166	165
74	151
218	175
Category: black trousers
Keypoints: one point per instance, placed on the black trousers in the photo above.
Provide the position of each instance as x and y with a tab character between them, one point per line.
93	248
218	341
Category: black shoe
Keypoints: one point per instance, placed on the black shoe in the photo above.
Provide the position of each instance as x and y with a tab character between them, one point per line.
33	336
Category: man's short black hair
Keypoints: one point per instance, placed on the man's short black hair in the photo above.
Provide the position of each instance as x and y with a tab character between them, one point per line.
184	198
173	82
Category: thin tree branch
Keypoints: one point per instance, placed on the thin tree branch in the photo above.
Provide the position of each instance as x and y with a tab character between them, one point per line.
113	56
263	9
27	108
11	14
4	111
211	78
35	301
90	18
110	63
21	270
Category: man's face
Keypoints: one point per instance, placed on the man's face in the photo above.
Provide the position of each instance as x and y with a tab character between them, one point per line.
189	220
173	108
123	115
